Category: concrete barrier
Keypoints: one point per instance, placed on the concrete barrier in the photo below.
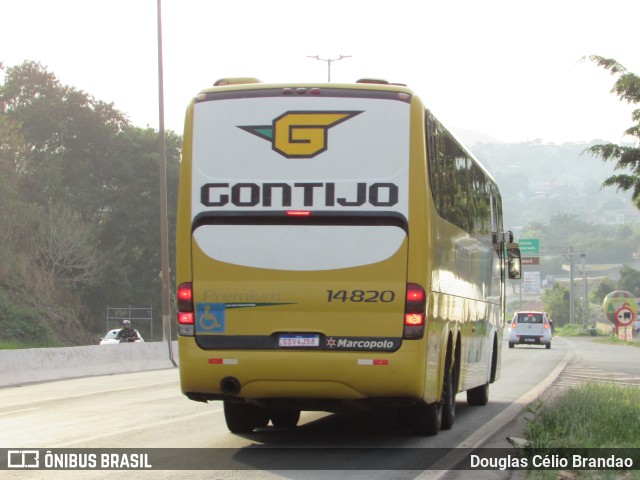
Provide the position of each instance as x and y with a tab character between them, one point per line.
19	367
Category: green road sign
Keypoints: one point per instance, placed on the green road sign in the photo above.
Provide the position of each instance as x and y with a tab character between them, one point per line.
529	246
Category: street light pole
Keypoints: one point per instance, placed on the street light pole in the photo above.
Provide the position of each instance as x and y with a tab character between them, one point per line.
164	223
329	61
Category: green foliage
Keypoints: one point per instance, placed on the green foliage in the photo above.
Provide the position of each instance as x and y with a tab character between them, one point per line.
556	303
20	322
600	291
627	88
613	340
81	227
629	280
578	331
589	416
556	300
66	247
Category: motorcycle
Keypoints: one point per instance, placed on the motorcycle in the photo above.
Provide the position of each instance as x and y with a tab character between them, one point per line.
131	339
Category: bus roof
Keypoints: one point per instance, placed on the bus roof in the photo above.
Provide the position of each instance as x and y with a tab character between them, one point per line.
250	83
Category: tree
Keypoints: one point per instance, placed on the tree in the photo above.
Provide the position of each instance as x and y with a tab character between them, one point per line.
66	248
81	191
629	280
18	218
71	138
627	158
557	304
129	231
600	291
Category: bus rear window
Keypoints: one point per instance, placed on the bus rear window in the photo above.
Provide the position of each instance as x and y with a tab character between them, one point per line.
299	248
530	318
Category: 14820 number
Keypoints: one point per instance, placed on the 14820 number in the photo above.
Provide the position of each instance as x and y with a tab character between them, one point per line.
385	296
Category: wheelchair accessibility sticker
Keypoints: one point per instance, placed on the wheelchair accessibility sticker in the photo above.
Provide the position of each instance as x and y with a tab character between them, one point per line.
210	318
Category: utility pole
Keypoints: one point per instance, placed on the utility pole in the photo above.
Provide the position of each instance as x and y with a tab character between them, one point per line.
585	302
164	223
572	313
329	61
569	254
572	306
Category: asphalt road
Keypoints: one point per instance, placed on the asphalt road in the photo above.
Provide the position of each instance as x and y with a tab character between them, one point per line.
147	410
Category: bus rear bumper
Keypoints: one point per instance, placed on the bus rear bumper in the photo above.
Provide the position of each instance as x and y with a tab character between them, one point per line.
305	377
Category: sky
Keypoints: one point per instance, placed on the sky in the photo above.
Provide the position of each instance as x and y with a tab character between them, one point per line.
510	69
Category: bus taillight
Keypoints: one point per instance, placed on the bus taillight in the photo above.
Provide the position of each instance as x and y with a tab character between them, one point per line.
185	304
414	312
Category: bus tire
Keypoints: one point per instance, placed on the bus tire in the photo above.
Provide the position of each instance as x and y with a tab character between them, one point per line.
285	418
448	400
244	417
423	419
478	396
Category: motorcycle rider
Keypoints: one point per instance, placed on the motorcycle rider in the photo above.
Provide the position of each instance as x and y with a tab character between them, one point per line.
127	333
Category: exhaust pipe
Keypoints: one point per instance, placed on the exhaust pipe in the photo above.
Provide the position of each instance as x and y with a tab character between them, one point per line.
230	386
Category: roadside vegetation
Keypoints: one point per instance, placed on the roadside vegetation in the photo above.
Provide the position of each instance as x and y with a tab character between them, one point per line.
601	331
592	415
610	339
80	224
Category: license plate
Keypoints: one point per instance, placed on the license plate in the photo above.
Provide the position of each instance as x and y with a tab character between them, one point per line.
529	339
298	341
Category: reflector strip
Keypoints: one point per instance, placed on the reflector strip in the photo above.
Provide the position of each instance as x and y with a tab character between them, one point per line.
368	361
223	361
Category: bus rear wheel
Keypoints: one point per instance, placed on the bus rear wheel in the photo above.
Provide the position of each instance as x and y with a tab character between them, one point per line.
448	400
244	417
285	418
478	396
422	419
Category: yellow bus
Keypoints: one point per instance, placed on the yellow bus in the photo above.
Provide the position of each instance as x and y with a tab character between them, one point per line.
337	249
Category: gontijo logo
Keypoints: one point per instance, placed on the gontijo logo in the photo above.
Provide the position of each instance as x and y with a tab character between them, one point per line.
300	134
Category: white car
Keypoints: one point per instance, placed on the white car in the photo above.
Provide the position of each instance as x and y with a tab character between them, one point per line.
530	328
111	335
